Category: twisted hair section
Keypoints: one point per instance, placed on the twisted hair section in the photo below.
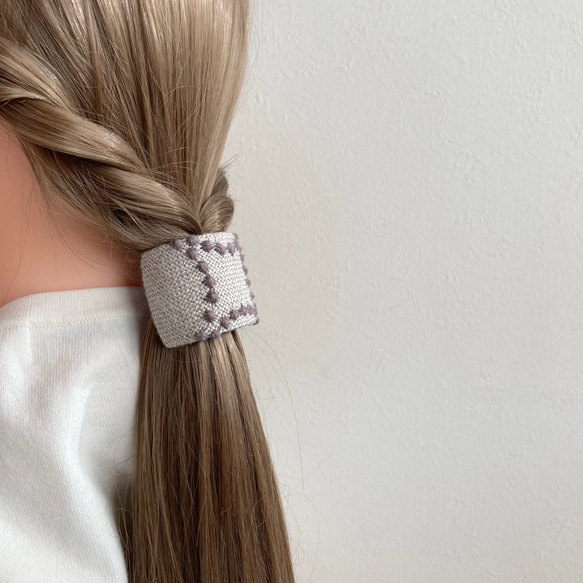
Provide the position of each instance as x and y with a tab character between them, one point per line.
123	110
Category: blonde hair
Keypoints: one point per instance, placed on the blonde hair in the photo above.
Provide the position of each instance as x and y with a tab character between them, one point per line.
122	109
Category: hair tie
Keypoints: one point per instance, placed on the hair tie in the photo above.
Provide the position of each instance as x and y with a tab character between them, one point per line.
197	288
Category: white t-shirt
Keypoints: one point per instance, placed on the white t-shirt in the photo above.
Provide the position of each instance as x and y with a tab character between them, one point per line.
69	372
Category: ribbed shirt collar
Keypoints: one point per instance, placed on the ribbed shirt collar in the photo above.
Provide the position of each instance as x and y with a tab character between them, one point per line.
74	306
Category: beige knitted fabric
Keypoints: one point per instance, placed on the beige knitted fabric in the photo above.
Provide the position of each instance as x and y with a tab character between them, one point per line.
197	288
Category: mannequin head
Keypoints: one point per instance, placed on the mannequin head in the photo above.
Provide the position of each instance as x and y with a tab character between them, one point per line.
43	250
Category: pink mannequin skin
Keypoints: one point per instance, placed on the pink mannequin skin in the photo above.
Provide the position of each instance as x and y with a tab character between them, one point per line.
33	258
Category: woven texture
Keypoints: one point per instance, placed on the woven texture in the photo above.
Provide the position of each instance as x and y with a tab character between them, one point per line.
197	288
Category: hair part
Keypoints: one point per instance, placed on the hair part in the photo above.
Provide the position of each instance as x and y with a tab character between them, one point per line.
123	110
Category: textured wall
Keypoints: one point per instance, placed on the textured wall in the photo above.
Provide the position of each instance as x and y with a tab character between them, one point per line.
408	181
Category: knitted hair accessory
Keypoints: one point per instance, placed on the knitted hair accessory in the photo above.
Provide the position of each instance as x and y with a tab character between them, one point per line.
197	288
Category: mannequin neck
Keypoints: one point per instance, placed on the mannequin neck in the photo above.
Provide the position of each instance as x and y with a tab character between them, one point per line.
33	256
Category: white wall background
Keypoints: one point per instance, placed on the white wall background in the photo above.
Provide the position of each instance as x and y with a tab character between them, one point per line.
409	182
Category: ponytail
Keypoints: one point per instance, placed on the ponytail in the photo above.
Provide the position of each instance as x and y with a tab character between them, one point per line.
203	446
123	111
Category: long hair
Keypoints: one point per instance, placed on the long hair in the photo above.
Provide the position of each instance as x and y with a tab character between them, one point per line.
122	108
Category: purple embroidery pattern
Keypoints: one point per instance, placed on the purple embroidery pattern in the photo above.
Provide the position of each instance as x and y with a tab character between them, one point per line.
198	287
200	249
